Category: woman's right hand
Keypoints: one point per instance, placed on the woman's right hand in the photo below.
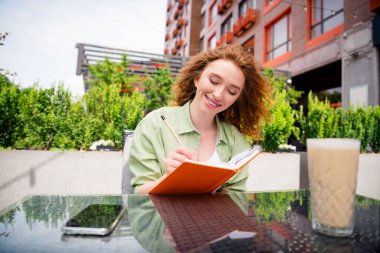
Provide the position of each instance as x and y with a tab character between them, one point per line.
173	160
177	157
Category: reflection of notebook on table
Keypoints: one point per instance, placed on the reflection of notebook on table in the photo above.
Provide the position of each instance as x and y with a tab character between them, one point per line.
204	222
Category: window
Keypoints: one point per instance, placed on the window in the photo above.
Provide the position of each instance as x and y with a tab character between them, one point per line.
249	45
227	25
244	5
242	8
213	13
278	38
212	41
201	45
173	44
203	20
325	15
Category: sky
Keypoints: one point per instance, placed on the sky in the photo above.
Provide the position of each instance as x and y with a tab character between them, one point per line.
40	47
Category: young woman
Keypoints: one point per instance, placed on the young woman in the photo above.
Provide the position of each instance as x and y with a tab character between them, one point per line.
219	97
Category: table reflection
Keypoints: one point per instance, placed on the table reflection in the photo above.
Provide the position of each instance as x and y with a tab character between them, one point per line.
241	222
191	223
278	222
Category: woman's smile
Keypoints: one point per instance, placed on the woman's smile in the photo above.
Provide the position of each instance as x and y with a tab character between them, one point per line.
212	102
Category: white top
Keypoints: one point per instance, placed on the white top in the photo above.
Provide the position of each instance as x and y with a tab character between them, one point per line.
215	157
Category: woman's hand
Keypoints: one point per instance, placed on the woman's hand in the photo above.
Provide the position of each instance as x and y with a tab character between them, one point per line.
173	160
177	157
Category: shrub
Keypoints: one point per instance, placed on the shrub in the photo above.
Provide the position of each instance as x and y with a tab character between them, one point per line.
35	118
77	124
375	140
9	109
108	113
42	117
356	124
280	126
112	73
320	120
158	89
367	119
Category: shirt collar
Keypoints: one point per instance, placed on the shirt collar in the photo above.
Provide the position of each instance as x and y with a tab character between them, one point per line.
186	125
221	130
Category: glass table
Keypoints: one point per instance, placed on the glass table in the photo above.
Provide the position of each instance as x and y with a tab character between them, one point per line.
241	222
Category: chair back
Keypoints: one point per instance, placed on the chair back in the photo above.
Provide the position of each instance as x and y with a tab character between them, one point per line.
127	175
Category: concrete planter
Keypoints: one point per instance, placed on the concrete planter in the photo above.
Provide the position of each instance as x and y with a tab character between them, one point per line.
61	172
26	172
288	171
369	175
274	171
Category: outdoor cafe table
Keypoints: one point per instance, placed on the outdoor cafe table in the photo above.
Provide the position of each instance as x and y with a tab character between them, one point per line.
246	222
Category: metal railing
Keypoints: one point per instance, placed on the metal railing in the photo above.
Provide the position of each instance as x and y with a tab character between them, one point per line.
140	63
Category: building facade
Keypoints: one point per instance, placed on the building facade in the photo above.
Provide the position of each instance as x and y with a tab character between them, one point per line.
330	47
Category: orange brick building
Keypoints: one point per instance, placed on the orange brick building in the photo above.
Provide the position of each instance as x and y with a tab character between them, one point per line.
325	45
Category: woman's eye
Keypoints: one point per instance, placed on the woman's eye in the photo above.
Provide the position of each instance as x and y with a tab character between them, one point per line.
233	93
212	81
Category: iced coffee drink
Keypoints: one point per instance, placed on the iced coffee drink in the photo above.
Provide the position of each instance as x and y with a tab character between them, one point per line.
333	166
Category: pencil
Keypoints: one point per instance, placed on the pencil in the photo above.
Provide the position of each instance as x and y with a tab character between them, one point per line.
172	131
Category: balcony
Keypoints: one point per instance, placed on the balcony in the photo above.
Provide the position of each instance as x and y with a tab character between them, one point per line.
166	51
174	51
249	18
168	21
225	39
245	22
181	2
169	7
176	14
223	5
175	32
181	22
179	43
374	5
167	37
238	28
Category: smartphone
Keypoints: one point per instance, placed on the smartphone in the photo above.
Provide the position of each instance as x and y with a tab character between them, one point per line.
96	219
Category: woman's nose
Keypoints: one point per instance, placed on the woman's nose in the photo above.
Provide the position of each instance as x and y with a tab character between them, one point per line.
218	92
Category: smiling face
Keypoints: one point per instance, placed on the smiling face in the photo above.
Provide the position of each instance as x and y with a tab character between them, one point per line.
218	87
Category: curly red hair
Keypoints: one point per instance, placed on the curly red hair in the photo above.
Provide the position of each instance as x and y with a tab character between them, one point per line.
250	107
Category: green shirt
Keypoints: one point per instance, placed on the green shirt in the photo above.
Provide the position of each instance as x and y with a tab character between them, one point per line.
153	141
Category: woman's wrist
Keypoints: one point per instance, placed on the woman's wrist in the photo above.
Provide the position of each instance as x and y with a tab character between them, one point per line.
148	186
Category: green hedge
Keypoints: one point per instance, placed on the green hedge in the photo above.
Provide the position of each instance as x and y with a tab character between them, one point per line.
320	120
323	121
47	119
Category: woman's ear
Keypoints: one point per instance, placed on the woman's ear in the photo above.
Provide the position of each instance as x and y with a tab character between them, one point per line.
196	81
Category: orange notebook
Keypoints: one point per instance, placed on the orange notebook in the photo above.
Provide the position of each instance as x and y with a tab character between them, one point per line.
199	177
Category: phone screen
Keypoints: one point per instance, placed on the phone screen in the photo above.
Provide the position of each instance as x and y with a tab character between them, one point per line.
93	217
